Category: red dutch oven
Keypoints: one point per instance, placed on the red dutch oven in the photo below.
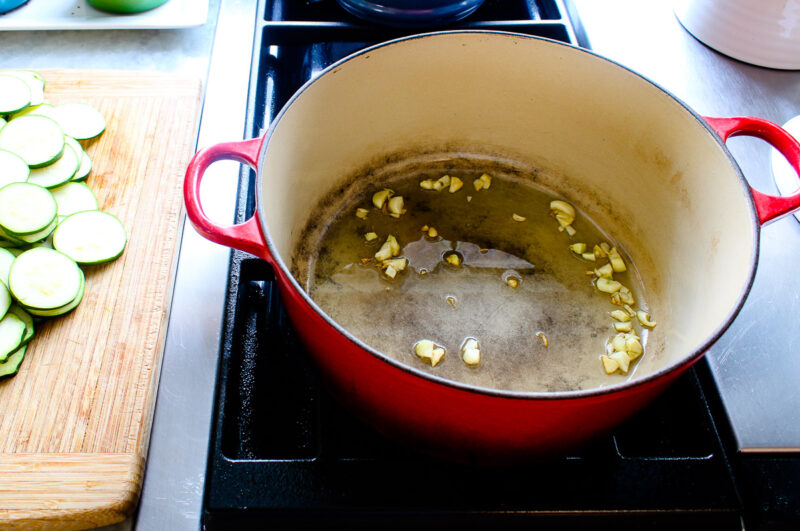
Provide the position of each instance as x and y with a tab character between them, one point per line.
625	152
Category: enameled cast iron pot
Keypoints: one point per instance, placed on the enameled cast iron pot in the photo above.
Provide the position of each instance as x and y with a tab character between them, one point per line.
644	166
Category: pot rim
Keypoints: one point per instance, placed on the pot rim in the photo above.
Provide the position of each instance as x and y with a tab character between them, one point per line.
629	385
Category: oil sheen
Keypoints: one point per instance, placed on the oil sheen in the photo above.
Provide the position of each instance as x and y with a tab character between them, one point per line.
431	299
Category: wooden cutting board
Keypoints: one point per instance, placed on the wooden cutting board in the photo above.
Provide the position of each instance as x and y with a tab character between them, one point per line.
75	421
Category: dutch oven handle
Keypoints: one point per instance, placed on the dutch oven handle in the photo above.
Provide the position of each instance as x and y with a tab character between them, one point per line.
768	207
245	236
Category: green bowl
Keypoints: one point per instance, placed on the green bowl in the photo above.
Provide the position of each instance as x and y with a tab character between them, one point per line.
125	6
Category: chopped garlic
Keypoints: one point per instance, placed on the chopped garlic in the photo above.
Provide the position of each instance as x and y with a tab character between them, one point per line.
628	309
427	184
623	360
562	207
543	337
385	252
398	264
513	282
442	183
424	228
621	316
437	355
615	299
478	184
644	318
616	260
609	365
469	198
361	213
588	256
578	248
599	252
365	261
618	343
453	259
455	184
393	245
623	326
518	218
604	271
626	296
390	272
396	206
607	285
570	230
451	301
380	197
370	236
633	347
432	232
487	180
471	353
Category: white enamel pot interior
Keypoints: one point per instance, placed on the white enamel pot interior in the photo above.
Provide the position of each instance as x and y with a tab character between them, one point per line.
636	160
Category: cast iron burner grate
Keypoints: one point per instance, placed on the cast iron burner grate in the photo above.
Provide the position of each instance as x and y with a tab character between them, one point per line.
283	453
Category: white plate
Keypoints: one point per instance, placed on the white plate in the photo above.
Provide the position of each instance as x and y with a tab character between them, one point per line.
79	15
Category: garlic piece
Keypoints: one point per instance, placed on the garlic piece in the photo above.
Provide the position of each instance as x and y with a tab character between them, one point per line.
599	252
395	206
427	184
487	180
513	282
618	343
604	271
543	337
361	213
578	248
621	316
424	348
365	261
563	212
623	360
432	232
380	197
437	355
478	184
370	236
625	296
633	347
393	245
442	183
398	264
453	259
471	353
424	228
623	327
644	318
469	198
588	256
570	230
390	272
518	218
609	365
607	285
455	184
616	260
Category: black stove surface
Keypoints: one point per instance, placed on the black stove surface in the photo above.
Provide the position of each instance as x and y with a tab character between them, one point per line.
282	453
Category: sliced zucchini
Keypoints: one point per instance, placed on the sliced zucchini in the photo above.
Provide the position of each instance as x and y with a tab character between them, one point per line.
61	310
74	197
58	172
37	237
27	319
12	168
90	237
11	365
14	94
39	140
84	169
6	259
9	240
12	329
44	279
25	208
79	120
45	109
35	84
5	299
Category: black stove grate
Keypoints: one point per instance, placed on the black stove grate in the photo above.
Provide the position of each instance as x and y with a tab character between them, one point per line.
283	453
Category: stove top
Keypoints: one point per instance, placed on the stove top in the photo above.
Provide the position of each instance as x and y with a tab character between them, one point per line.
283	452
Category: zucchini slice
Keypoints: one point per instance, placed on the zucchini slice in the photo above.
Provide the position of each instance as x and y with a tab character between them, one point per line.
14	94
12	329
74	197
6	259
11	365
44	279
25	208
13	169
90	237
79	120
37	139
35	84
84	169
61	310
26	318
58	172
5	299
